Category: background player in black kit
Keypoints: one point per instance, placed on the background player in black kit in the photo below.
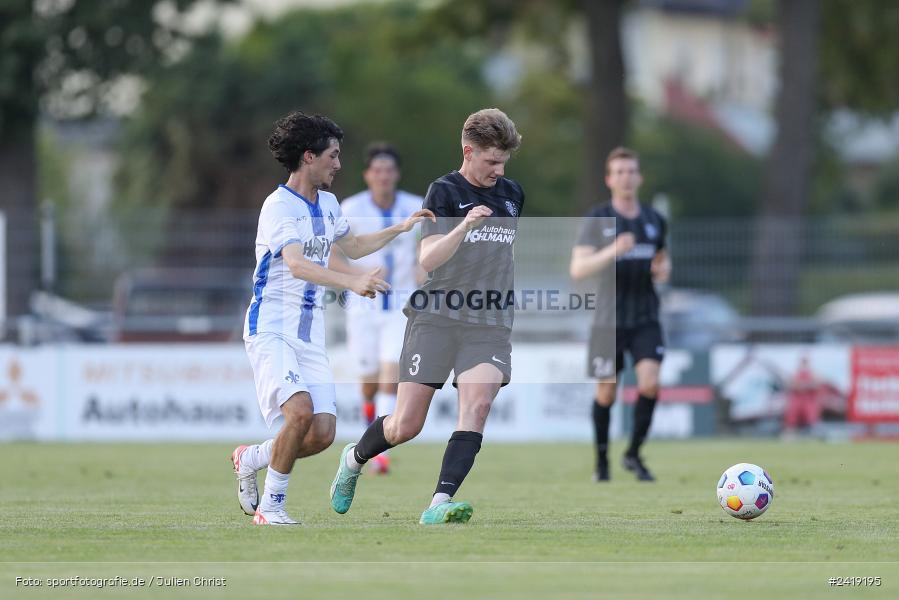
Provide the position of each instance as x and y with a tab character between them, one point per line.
636	248
459	320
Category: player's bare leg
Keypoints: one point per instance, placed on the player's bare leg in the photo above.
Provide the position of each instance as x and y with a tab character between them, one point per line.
298	417
606	390
413	401
478	387
320	435
412	404
250	459
648	389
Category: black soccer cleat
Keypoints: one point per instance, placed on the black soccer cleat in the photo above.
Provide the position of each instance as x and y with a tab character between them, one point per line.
602	471
635	465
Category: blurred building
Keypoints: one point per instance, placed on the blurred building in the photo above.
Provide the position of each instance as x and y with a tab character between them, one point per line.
709	48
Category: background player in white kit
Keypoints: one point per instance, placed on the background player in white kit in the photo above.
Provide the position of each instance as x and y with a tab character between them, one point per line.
375	327
284	330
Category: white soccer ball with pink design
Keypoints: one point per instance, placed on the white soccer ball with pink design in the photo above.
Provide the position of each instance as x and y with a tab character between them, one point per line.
745	491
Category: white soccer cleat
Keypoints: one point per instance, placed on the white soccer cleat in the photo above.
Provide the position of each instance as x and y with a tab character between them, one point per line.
247	491
276	516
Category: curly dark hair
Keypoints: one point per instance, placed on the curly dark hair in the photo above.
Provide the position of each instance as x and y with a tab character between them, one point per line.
381	150
298	132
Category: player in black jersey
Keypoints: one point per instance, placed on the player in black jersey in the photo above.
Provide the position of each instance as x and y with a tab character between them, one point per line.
460	320
635	246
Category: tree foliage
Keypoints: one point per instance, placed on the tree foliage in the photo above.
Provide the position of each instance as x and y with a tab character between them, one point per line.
65	56
860	60
702	174
860	57
199	138
547	28
75	50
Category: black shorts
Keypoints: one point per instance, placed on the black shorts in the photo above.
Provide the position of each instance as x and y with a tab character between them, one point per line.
434	345
643	341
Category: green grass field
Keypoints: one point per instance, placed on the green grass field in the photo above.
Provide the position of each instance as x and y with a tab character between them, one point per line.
540	529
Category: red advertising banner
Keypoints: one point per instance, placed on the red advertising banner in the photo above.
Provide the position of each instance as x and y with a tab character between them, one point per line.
684	394
874	395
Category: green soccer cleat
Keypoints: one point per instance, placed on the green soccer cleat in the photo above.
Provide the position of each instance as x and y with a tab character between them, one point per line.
344	486
448	512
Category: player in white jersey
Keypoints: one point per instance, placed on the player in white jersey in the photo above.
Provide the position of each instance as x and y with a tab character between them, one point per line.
375	327
284	328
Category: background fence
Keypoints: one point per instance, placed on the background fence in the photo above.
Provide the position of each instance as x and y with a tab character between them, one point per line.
83	258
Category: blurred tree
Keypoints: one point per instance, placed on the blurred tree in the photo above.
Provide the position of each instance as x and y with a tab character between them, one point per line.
703	174
858	66
788	169
604	107
199	138
606	123
69	55
886	187
548	110
856	71
861	60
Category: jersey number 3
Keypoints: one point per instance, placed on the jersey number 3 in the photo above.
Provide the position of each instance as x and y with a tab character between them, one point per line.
413	370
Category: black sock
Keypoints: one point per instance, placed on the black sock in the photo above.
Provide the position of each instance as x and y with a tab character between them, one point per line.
372	442
601	431
642	420
458	460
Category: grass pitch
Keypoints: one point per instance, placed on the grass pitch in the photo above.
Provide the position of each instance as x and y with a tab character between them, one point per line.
541	527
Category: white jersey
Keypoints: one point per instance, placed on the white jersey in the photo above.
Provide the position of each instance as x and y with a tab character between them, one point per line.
399	258
281	303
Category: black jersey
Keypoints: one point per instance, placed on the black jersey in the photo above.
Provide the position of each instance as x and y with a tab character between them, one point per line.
476	285
636	301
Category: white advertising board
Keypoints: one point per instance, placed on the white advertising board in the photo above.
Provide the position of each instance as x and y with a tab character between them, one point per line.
201	392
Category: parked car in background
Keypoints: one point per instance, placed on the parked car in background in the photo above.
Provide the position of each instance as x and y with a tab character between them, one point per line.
56	319
871	317
696	319
180	305
691	319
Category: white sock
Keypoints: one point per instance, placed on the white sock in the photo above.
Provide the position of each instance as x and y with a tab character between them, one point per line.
275	490
439	498
385	403
257	456
351	461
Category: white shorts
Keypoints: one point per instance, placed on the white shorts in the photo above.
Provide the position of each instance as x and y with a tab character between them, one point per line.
375	337
282	367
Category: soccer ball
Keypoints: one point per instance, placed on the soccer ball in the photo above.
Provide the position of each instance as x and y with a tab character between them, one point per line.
745	491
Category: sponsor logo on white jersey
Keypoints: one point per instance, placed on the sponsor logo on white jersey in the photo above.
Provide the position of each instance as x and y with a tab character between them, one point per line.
318	247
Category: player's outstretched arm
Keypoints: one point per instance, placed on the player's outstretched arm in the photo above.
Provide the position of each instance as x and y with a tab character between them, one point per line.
357	246
586	261
338	262
439	248
661	267
364	284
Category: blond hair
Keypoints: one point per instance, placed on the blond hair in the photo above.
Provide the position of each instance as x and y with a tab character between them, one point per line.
491	128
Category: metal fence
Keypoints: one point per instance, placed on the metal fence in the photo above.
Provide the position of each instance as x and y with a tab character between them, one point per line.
837	256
